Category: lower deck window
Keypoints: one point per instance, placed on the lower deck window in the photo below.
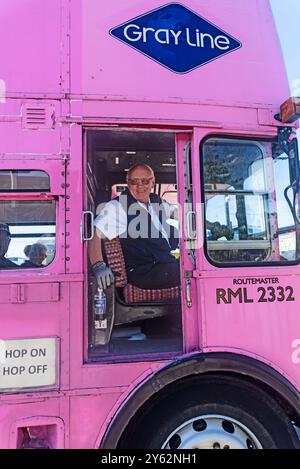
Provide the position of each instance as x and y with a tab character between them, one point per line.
249	198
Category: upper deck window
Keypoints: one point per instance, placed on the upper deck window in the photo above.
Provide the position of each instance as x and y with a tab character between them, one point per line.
248	215
24	181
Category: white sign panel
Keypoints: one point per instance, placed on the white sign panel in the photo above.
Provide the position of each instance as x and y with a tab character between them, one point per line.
27	363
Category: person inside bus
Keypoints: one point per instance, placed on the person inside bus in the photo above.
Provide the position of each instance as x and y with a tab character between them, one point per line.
27	250
5	239
139	218
36	253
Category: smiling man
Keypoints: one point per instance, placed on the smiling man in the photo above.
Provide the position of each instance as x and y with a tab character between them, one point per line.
139	218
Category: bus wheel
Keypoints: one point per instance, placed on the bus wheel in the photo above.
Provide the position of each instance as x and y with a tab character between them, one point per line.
222	413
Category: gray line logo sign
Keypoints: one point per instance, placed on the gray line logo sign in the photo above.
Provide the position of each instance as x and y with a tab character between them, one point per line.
176	37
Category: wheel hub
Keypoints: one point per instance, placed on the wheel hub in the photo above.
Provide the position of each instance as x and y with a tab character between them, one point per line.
212	431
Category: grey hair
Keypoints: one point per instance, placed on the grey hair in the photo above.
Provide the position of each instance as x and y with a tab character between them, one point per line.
139	165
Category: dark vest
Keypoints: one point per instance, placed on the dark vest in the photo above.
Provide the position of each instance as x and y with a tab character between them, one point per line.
142	243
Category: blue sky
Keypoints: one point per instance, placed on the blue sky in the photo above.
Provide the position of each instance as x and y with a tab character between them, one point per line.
287	17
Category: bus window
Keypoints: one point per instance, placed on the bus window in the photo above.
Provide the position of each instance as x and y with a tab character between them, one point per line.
27	230
248	218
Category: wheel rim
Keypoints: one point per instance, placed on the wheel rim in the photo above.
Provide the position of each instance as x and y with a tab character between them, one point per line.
212	431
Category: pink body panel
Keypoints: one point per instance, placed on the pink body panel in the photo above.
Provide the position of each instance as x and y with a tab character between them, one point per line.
60	54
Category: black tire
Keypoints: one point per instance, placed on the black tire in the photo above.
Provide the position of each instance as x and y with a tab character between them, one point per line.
241	414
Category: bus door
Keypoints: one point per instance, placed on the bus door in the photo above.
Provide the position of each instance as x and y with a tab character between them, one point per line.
32	262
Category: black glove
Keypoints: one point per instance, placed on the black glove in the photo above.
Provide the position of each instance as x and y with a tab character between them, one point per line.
103	274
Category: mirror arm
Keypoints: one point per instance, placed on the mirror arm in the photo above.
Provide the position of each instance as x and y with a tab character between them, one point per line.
283	138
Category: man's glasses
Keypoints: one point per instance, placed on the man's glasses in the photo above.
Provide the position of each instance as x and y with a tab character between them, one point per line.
142	181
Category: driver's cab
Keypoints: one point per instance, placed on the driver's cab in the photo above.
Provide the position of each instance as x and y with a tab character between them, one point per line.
136	320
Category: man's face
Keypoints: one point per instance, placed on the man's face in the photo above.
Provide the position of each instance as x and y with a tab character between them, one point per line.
4	242
140	184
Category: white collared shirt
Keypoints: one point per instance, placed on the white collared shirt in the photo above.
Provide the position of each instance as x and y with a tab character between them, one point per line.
112	218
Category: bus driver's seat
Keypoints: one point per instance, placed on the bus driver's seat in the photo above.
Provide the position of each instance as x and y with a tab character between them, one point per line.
131	293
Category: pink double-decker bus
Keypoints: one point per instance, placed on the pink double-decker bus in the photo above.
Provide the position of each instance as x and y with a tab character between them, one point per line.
197	91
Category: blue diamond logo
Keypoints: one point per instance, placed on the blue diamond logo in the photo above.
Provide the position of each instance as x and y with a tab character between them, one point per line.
176	37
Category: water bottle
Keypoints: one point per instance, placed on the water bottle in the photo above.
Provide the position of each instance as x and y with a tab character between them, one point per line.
100	309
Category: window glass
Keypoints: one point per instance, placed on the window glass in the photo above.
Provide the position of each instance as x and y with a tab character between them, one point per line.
248	216
27	233
21	180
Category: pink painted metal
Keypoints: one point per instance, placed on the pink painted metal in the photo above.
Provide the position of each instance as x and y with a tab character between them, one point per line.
59	54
